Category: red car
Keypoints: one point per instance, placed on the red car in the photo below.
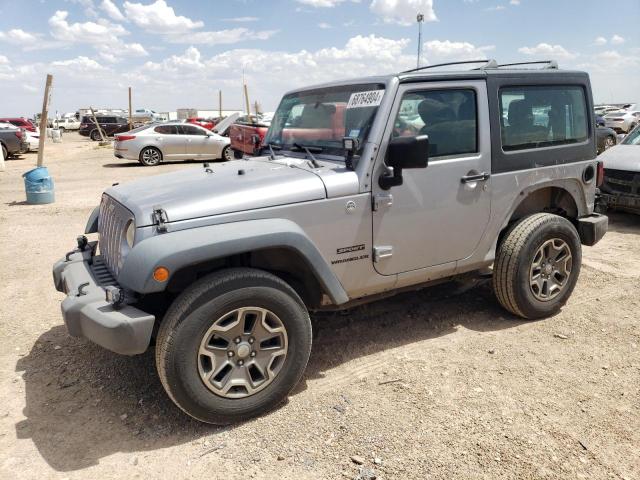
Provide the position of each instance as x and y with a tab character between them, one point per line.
203	122
20	122
246	136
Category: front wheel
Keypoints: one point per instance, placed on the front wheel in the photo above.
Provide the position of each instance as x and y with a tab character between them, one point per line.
537	265
233	345
227	154
95	136
150	157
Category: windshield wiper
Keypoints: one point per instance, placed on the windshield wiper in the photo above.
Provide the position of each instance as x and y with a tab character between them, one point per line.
271	148
307	150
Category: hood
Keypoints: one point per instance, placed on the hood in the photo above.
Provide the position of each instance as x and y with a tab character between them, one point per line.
622	157
222	127
225	188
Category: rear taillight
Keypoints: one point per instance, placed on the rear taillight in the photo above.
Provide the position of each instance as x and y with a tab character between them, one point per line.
600	174
122	138
18	133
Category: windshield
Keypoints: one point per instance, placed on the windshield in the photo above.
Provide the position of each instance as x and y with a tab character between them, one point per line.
322	118
633	138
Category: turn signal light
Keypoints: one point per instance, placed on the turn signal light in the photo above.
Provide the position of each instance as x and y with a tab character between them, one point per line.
161	274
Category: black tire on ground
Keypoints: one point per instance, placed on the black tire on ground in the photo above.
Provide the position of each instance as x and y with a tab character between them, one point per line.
150	156
196	310
95	135
61	130
226	154
237	154
517	261
5	154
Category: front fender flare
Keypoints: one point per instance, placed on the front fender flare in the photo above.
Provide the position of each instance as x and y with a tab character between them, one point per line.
179	249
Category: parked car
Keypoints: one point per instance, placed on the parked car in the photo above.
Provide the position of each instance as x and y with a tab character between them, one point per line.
622	121
110	125
13	142
247	134
604	109
67	123
339	209
21	123
153	144
621	186
203	122
605	138
144	115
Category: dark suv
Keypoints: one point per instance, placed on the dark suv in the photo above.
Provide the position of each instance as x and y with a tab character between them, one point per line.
110	125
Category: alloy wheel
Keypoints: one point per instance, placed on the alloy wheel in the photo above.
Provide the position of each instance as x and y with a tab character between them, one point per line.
242	352
550	269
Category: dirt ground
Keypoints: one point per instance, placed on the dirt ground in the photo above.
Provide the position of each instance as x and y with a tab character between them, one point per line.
423	385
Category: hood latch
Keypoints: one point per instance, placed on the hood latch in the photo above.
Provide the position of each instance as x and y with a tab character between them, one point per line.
160	219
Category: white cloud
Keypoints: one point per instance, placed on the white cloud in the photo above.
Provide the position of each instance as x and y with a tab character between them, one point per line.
617	40
4	60
514	2
321	3
403	12
497	8
556	52
610	61
436	50
17	36
324	25
600	41
112	10
101	31
222	37
159	17
80	63
242	19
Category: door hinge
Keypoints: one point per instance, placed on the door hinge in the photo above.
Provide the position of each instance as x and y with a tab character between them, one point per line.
160	219
380	253
382	200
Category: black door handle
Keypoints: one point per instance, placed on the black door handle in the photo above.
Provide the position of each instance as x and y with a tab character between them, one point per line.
480	177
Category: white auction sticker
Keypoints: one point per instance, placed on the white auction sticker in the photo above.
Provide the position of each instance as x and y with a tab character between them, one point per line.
372	98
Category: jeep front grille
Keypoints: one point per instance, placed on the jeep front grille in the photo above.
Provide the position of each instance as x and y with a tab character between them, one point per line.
112	222
621	181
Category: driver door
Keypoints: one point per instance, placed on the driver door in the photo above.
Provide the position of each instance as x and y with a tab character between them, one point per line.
437	216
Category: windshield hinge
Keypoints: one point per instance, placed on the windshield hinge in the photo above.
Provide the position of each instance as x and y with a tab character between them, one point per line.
160	218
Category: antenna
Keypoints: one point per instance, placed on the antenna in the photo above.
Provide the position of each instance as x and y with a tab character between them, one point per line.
420	20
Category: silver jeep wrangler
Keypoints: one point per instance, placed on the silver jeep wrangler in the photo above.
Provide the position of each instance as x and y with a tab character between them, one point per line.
361	189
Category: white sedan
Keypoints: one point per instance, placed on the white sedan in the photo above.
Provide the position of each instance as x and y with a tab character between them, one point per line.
155	143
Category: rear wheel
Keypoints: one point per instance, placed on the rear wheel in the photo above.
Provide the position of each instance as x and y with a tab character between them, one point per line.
95	136
150	156
537	265
5	154
233	345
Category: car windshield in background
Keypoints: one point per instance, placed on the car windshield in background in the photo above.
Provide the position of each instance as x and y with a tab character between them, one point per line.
633	138
323	117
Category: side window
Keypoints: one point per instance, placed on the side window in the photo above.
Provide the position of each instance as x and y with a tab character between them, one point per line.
166	129
191	130
449	117
541	116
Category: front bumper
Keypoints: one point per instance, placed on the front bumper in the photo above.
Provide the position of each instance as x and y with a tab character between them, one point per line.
622	201
126	330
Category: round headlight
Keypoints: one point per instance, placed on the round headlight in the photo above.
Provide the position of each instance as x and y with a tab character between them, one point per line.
130	234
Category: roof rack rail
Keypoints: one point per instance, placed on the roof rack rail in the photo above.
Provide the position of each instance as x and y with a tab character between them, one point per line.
549	64
490	63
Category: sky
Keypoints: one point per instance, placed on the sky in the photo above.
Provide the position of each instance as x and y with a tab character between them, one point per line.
180	53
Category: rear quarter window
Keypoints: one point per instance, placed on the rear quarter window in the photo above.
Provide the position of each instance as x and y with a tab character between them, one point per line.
542	116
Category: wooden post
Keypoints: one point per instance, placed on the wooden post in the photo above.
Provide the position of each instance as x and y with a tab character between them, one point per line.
95	120
220	103
246	99
130	112
44	118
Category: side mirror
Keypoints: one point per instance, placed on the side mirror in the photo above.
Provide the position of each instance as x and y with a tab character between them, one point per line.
404	152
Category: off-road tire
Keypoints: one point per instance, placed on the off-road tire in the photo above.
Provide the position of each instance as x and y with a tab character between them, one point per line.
237	154
511	270
191	315
95	135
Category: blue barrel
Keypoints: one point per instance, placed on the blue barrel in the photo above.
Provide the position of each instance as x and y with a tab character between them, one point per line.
39	186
